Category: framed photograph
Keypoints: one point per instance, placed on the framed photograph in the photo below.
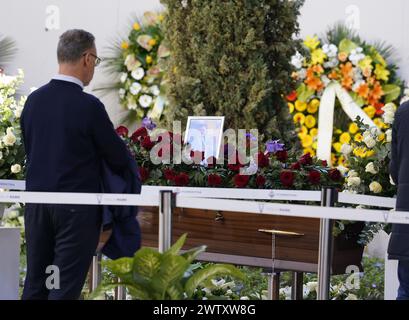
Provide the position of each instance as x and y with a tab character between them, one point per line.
205	134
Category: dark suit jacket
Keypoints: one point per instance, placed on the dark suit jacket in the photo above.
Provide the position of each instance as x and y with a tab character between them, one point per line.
72	146
399	169
126	235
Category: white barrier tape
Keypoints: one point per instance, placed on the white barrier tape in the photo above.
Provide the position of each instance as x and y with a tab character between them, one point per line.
79	198
245	194
381	202
13	185
300	211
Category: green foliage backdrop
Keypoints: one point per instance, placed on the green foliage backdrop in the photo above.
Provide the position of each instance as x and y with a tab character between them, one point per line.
231	58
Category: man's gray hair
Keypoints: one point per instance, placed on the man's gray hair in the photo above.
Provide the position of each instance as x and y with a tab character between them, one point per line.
73	44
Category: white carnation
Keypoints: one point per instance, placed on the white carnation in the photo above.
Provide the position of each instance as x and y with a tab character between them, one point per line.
370	168
138	74
297	60
375	187
389	136
389	117
145	101
135	88
389	107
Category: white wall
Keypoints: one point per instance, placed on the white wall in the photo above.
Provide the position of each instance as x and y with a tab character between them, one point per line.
25	21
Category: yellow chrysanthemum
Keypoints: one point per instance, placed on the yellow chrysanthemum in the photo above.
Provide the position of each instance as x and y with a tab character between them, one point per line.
152	42
379	123
310	122
313	106
307	141
337	147
370	153
345	138
310	151
358	137
125	45
299	118
318	56
303	130
312	42
370	111
341	160
381	137
300	106
314	132
315	145
360	152
136	26
291	107
382	73
353	128
149	59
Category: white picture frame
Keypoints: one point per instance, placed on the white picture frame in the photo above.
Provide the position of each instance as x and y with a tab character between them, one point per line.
205	134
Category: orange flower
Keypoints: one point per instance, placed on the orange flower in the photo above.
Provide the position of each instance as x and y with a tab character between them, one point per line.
347	83
342	56
292	96
333	75
313	79
363	90
376	94
347	69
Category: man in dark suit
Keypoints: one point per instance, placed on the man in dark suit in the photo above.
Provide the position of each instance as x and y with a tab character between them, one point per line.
399	168
67	135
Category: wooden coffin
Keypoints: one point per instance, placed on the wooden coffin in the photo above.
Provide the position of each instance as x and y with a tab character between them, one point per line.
235	238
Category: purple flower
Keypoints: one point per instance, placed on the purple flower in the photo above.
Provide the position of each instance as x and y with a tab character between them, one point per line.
148	123
274	146
251	137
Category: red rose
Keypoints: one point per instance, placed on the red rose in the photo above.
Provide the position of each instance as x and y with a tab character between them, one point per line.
296	166
262	160
147	143
144	174
141	132
324	163
282	156
234	167
122	131
182	180
287	178
335	174
241	181
214	180
169	174
306	160
314	177
292	96
260	181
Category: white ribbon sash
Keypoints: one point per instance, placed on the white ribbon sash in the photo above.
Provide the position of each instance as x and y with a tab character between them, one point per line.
326	117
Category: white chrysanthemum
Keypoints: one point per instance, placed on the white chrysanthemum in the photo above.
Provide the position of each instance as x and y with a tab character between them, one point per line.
135	88
333	63
331	50
356	56
138	73
145	101
16	168
154	90
124	77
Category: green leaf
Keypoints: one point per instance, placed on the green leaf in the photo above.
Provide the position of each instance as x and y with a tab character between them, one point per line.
119	267
174	250
358	100
211	272
304	93
146	262
392	92
192	254
175	292
347	46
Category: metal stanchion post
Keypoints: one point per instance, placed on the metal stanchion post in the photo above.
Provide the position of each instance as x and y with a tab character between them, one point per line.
96	271
165	220
329	198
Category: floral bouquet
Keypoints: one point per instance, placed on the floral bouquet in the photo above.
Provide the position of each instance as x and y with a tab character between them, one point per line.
138	63
362	69
11	147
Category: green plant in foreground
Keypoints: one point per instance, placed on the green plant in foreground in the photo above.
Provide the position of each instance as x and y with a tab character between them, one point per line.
150	275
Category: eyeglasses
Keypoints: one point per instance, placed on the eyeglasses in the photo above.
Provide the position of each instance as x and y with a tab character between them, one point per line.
97	59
